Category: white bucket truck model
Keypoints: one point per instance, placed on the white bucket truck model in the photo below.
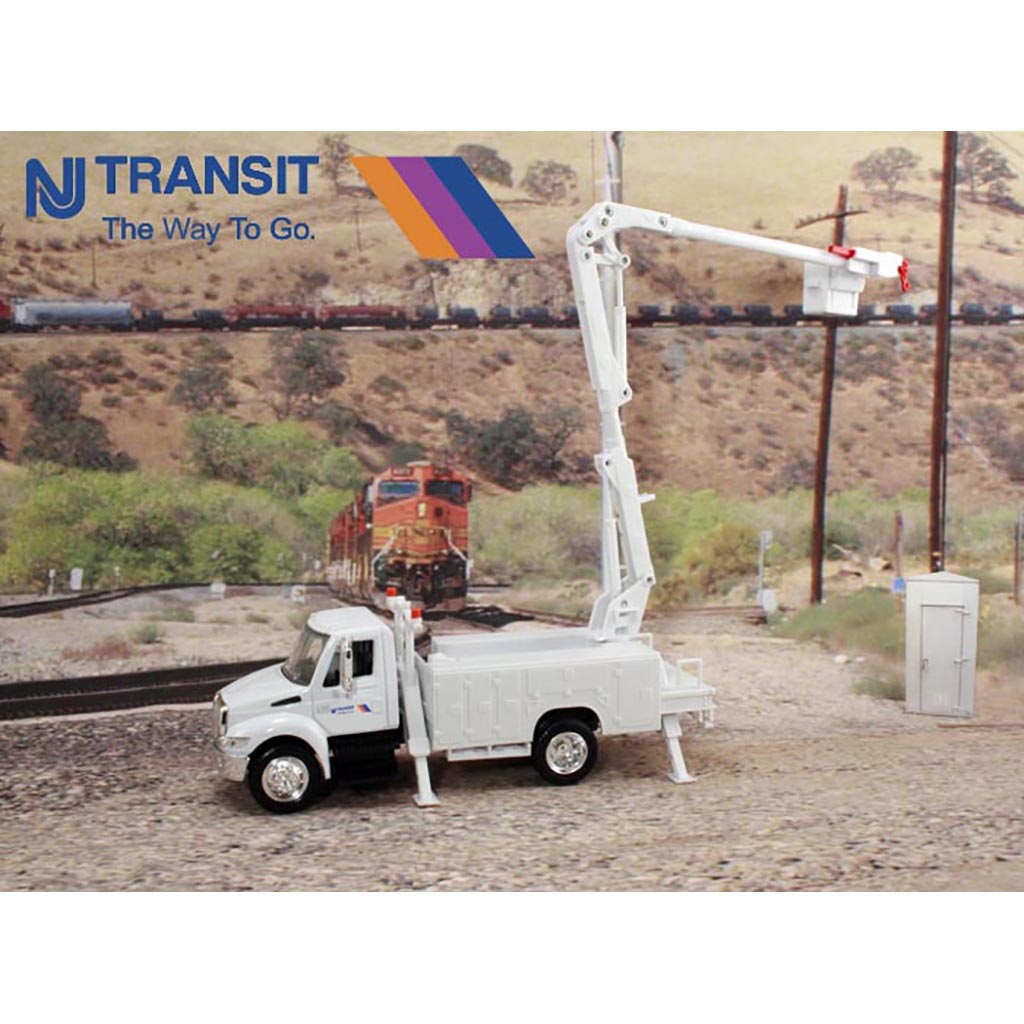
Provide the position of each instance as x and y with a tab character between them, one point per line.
355	689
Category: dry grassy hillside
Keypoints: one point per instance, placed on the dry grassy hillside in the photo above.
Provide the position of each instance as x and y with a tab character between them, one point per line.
734	409
748	181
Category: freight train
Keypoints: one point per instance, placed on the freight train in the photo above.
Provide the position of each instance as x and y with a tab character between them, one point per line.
88	314
409	529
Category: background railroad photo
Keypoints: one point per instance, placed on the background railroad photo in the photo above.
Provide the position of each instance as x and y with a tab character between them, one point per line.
208	447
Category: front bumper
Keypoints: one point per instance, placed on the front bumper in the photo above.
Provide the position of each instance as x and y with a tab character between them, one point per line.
232	763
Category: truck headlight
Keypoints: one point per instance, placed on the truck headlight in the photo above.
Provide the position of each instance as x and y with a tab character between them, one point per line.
233	742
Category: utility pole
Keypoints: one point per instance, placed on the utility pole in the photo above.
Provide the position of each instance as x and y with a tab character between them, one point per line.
943	350
359	234
828	378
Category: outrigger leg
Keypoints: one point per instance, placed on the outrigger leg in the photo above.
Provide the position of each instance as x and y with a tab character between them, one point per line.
671	729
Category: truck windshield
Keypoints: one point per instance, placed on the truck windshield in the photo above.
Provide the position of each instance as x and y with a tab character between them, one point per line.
302	662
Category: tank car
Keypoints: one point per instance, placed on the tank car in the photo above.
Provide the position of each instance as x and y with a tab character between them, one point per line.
408	529
34	315
536	316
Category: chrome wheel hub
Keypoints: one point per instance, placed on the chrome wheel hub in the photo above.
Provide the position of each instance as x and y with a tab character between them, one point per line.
566	753
285	779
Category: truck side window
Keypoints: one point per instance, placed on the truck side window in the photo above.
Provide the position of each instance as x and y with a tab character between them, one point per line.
362	658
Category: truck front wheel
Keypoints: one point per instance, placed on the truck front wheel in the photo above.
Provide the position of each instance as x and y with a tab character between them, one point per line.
284	778
564	751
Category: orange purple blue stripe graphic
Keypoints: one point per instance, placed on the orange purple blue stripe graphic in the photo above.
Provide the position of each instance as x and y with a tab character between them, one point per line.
442	208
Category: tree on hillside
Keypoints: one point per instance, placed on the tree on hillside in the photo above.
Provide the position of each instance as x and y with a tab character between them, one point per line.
47	395
551	181
61	434
3	423
304	370
485	162
886	167
335	163
79	443
982	169
518	446
203	384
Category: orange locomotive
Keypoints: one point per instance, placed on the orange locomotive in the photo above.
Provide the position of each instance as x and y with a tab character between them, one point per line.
410	530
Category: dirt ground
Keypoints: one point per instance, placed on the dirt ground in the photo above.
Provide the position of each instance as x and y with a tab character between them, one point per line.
802	784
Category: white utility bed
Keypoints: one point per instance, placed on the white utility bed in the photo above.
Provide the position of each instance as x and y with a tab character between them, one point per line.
484	695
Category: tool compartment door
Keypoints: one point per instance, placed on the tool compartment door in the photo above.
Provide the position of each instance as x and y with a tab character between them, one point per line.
476	707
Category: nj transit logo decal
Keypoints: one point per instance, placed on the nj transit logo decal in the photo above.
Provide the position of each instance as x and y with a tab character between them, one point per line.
349	709
442	208
58	201
253	175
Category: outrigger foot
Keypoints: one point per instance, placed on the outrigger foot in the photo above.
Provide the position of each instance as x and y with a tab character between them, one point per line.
671	729
424	794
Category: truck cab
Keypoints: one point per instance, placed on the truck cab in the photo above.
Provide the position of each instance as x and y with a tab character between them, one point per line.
331	711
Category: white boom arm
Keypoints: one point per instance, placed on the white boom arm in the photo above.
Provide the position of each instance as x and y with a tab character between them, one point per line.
832	281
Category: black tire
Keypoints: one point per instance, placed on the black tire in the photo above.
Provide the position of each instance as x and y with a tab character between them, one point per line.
289	756
570	742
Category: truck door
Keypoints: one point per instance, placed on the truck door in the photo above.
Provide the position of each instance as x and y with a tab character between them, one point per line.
356	701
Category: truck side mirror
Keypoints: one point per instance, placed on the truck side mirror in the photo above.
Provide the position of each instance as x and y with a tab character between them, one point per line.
345	657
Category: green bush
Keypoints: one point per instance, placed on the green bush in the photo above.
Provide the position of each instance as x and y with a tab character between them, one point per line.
340	469
283	458
321	504
678	521
224	552
723	556
868	621
882	684
148	633
548	532
152	530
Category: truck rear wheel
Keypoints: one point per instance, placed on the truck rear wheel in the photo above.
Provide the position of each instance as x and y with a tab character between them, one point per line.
285	778
564	751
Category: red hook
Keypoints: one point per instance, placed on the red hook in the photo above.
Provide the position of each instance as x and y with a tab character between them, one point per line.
904	272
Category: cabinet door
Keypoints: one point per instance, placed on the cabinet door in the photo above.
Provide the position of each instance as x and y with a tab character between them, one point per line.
942	658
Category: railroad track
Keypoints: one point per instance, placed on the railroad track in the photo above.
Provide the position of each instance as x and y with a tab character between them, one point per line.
753	613
48	605
195	684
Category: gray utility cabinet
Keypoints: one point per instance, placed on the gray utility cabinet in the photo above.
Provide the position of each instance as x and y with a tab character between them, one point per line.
942	644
